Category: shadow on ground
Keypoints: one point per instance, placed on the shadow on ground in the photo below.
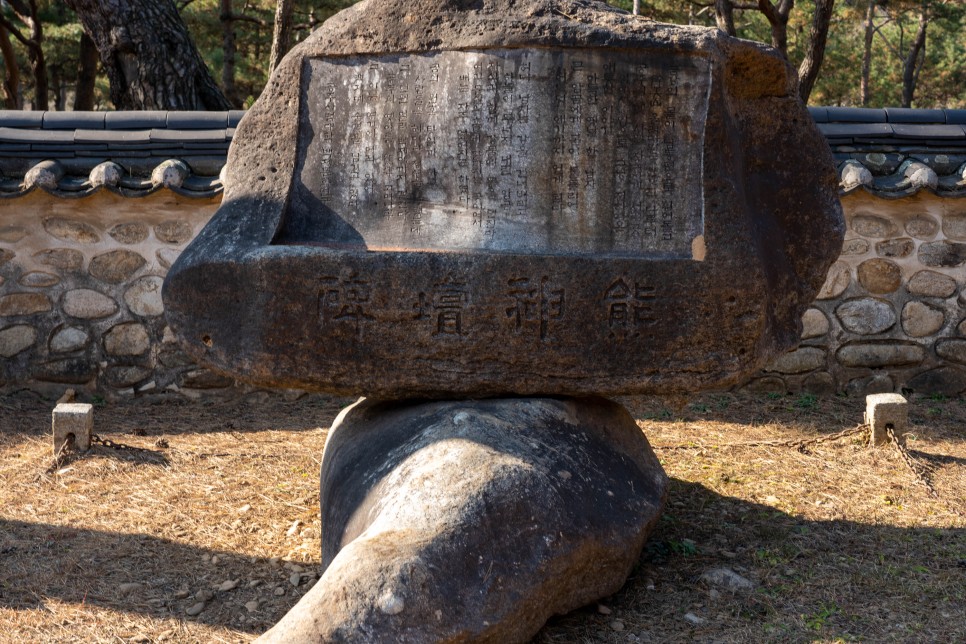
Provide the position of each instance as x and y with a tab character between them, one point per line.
814	579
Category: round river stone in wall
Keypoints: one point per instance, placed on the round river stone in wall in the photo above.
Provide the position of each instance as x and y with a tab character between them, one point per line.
879	276
15	339
872	226
116	266
87	304
920	319
66	259
767	385
901	247
71	230
173	232
124	376
133	232
877	384
954	226
944	381
38	279
12	234
922	227
869	354
820	383
931	284
952	349
857	246
838	279
167	256
866	316
942	253
144	296
69	338
24	304
814	324
128	339
799	361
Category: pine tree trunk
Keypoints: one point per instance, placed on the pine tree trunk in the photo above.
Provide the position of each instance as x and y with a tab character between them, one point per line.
11	80
282	34
913	62
148	55
86	74
867	53
817	39
724	15
228	47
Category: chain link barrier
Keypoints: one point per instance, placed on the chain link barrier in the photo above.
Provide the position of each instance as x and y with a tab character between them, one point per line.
921	472
800	444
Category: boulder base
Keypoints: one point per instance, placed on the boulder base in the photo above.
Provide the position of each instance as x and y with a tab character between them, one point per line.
475	520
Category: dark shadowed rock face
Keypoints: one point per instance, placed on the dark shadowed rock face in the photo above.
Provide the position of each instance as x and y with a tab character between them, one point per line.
471	198
475	521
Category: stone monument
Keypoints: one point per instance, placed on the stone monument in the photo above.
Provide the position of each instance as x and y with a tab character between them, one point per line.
529	203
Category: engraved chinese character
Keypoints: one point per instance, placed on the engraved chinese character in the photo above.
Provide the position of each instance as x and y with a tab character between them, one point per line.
448	301
629	308
344	299
534	301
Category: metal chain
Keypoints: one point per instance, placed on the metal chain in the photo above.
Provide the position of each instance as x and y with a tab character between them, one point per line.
800	444
107	442
921	472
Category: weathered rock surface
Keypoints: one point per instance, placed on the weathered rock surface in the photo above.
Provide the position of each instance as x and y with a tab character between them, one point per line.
116	266
922	227
837	280
24	304
873	226
920	319
127	339
799	361
15	339
931	284
547	210
474	521
879	276
88	304
814	324
866	315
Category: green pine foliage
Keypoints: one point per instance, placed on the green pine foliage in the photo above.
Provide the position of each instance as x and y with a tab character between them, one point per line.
941	81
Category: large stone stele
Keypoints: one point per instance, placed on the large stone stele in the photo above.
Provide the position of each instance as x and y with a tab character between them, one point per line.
476	197
474	521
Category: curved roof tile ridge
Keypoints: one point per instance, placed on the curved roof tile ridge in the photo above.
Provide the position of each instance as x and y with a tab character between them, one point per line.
896	152
888	152
75	154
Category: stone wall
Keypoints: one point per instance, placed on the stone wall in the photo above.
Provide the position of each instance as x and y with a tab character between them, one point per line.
80	298
80	292
891	313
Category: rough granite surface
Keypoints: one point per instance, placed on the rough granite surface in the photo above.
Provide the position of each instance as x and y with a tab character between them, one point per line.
284	290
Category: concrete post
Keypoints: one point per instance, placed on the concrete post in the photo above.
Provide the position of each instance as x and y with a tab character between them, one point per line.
72	422
884	412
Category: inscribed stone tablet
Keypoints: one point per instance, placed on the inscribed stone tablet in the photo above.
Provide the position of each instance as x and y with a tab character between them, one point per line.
525	150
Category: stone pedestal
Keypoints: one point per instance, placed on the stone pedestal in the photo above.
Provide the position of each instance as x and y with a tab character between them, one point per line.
885	413
475	520
72	423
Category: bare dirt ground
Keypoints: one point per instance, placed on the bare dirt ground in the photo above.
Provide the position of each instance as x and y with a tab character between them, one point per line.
210	533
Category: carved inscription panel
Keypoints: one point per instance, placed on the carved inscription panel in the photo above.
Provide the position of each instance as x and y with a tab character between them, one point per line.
529	151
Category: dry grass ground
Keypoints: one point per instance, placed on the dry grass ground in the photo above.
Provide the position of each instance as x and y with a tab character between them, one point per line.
219	514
